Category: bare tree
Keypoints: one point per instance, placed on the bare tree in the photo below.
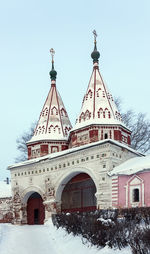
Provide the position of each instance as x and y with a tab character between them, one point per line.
139	126
21	144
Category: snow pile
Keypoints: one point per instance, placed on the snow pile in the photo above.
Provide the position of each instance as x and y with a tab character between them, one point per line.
5	190
132	166
105	222
46	239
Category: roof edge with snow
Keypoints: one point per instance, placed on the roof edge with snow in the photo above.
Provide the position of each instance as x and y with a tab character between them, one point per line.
72	150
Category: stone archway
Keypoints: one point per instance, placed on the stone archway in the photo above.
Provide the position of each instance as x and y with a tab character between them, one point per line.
79	194
35	209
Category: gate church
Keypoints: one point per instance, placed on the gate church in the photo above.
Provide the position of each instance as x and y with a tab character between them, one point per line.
68	167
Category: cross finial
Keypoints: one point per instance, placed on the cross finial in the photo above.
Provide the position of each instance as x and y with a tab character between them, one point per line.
52	51
95	34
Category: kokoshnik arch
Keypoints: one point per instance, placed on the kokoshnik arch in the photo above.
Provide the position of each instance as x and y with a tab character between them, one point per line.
68	169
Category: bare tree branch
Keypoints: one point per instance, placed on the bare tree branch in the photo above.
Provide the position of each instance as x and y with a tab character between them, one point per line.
21	144
139	126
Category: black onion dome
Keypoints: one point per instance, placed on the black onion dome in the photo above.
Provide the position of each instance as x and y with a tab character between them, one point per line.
95	54
53	73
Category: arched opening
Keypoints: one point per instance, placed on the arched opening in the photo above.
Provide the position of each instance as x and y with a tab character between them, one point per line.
35	209
79	194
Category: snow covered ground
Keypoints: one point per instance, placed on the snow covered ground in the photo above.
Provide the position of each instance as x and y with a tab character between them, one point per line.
45	239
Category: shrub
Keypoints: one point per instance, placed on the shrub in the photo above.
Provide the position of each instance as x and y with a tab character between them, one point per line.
115	228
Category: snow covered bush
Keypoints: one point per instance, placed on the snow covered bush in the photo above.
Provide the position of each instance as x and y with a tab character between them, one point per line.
114	228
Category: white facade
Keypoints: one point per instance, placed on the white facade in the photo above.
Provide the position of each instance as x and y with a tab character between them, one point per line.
73	163
49	175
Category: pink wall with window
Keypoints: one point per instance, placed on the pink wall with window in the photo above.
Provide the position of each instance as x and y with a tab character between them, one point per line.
134	190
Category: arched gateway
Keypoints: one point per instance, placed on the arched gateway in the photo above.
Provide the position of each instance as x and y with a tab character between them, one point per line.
35	209
79	194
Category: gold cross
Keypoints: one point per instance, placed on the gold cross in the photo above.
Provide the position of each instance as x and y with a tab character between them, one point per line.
52	51
95	34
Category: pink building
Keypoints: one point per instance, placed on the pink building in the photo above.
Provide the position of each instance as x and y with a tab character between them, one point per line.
131	183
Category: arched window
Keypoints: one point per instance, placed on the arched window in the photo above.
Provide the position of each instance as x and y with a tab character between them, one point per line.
46	111
82	117
105	136
100	113
39	129
136	196
90	93
50	128
63	112
87	115
43	129
54	111
98	92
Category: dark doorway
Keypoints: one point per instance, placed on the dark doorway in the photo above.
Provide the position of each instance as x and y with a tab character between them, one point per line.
79	194
35	209
36	216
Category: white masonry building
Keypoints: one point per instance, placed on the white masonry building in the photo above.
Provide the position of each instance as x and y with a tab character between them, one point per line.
68	168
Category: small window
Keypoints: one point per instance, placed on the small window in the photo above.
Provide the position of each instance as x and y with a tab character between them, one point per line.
136	196
68	163
92	157
47	169
97	156
105	136
104	166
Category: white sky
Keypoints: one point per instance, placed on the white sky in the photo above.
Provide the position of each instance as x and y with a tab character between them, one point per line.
28	29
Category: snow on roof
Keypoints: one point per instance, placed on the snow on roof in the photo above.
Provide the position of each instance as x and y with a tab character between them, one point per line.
72	150
98	122
54	123
98	106
132	166
5	190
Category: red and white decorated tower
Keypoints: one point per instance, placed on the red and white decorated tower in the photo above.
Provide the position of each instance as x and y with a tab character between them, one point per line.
99	117
51	132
